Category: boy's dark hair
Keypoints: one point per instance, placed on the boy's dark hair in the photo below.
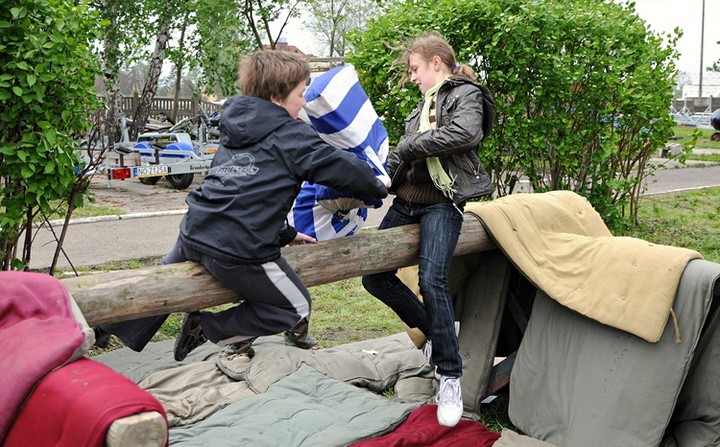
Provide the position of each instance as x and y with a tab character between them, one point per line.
270	74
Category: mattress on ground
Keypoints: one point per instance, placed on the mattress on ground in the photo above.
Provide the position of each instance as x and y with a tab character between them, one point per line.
157	356
192	391
305	408
696	419
577	382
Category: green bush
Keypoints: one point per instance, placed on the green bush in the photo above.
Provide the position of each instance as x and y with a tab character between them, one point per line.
47	72
582	89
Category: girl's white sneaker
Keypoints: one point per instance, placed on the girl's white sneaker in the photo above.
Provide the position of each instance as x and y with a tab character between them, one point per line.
449	401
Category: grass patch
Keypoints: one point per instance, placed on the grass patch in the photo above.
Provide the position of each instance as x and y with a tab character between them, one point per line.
343	312
688	219
494	414
709	158
685	133
88	210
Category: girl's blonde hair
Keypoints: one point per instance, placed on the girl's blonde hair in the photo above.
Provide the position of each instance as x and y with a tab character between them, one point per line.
272	74
430	45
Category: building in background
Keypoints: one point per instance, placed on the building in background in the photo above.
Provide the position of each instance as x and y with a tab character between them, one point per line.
283	45
710	88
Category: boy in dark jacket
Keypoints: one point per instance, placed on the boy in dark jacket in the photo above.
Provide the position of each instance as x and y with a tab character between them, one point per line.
236	221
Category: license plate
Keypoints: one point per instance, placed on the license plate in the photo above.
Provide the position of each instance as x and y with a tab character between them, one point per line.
150	171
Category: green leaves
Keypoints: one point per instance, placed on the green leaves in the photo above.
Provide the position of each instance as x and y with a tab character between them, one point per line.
46	91
17	13
582	87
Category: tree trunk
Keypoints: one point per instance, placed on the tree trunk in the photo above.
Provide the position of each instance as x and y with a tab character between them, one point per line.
80	187
178	71
122	295
143	109
176	94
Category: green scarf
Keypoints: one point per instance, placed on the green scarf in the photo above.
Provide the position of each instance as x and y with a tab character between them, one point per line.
440	178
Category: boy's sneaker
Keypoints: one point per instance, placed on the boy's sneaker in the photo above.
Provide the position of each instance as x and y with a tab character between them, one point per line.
298	335
305	342
241	348
102	337
191	336
449	401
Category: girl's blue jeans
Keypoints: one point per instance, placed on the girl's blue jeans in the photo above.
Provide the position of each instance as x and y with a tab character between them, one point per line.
440	226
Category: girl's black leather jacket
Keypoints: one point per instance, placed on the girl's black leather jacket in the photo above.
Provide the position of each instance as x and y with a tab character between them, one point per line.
456	140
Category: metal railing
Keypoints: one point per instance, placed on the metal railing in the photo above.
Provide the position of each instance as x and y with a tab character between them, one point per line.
694	111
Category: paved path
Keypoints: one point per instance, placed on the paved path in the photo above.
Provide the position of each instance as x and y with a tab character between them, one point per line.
146	232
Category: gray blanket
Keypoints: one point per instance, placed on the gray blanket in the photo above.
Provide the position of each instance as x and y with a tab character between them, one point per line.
577	382
211	380
305	408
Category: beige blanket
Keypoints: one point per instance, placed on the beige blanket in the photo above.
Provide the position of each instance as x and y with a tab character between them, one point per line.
563	246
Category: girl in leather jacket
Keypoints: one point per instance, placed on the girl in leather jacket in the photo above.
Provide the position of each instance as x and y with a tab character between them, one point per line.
434	171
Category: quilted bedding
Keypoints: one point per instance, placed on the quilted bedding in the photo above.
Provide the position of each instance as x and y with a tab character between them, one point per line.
561	244
305	408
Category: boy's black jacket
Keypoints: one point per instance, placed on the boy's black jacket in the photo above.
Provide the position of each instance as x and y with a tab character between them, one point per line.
240	208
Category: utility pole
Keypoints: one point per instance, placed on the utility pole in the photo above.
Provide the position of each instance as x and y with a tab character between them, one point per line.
702	46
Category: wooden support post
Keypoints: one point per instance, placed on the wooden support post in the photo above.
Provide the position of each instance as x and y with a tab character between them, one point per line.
500	375
479	306
123	295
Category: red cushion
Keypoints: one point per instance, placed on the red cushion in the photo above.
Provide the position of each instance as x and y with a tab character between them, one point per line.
38	333
421	429
76	404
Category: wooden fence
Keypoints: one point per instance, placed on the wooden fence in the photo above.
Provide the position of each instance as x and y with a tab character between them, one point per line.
186	107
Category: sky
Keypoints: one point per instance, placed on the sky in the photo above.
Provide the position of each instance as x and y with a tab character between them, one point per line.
666	15
660	15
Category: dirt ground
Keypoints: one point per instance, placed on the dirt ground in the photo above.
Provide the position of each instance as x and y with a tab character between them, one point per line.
131	196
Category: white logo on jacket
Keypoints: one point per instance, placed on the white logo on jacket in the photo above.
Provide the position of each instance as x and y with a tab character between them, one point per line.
240	165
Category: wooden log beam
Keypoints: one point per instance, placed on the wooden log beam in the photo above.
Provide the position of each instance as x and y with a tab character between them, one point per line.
127	294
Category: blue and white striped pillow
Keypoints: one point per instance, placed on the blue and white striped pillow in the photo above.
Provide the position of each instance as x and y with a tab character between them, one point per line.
343	115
